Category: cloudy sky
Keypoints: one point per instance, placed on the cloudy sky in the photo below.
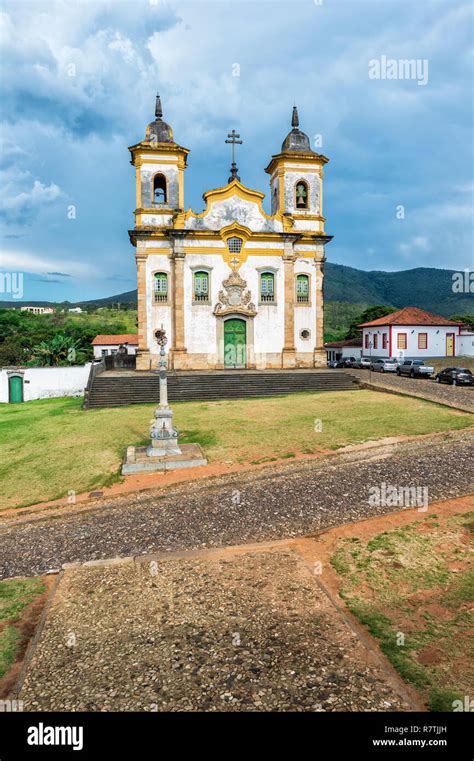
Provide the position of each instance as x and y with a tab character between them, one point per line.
78	86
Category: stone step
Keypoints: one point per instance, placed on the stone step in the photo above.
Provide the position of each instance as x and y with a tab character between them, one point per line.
110	391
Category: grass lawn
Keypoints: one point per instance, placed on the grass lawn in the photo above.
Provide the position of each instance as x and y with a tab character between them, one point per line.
15	595
51	446
413	587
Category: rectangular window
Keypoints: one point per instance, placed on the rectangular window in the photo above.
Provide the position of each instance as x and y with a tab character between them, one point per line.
422	340
201	286
366	341
384	340
104	352
376	341
402	341
302	289
267	287
161	287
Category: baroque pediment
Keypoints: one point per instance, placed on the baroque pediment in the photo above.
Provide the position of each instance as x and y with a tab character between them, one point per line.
233	203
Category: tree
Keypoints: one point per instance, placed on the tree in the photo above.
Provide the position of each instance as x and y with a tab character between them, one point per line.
466	319
59	351
372	313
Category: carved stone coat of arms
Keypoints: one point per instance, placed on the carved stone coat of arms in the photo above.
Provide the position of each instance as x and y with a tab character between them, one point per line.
235	297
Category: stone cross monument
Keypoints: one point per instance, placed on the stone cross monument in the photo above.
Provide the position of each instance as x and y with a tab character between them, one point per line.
164	452
164	436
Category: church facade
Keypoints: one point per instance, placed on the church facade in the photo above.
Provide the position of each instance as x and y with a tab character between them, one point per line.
233	286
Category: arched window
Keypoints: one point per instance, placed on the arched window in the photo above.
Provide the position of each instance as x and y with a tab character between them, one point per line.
267	287
234	245
159	188
161	287
302	289
201	286
301	195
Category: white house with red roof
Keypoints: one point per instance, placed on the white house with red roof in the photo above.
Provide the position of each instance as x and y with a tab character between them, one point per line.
415	334
123	343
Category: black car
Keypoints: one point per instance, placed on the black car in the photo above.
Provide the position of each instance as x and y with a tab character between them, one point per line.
459	376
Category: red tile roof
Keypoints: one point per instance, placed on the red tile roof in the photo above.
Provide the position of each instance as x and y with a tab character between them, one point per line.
347	342
409	316
122	338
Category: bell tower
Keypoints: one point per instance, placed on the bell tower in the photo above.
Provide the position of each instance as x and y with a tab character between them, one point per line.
296	180
159	170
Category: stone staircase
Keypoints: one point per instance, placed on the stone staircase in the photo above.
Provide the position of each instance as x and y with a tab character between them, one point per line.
113	389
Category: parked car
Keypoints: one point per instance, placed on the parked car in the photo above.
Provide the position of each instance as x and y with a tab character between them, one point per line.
349	361
365	362
336	363
415	368
383	366
458	376
355	363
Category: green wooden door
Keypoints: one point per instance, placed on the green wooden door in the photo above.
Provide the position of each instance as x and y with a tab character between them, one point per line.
235	343
15	385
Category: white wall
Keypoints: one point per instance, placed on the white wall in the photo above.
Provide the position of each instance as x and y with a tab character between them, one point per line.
436	341
343	352
131	349
466	344
45	382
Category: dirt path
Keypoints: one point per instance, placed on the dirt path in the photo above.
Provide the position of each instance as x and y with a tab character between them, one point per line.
282	502
249	628
225	630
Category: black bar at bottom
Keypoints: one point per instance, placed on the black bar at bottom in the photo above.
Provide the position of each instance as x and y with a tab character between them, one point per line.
140	735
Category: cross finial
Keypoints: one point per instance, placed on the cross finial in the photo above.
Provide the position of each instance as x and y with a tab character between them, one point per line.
233	141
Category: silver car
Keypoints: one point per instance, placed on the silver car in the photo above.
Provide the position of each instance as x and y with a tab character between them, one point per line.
383	366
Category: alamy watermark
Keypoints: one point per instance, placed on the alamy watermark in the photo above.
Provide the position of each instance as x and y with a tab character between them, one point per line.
399	68
463	282
387	495
11	706
12	283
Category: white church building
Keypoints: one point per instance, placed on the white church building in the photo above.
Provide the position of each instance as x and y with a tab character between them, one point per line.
233	286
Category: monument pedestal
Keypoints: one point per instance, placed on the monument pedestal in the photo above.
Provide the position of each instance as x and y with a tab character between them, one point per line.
164	436
137	460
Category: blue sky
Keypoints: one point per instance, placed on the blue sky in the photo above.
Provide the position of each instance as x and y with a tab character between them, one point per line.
78	87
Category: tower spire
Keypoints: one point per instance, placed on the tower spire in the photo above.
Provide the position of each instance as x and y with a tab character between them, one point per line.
294	118
158	108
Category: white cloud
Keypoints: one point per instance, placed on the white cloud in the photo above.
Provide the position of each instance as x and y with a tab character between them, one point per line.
25	261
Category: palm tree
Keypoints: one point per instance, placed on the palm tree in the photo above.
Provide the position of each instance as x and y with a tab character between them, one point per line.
58	351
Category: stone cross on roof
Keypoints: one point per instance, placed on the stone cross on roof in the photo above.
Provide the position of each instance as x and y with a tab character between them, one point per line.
233	141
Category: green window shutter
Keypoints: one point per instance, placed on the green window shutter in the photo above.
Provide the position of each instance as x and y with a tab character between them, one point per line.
161	286
302	288
201	286
267	286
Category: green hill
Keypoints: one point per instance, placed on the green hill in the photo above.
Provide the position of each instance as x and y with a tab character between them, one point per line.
424	287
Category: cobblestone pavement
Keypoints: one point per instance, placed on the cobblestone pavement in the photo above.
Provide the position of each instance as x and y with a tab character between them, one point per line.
246	632
461	397
280	502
